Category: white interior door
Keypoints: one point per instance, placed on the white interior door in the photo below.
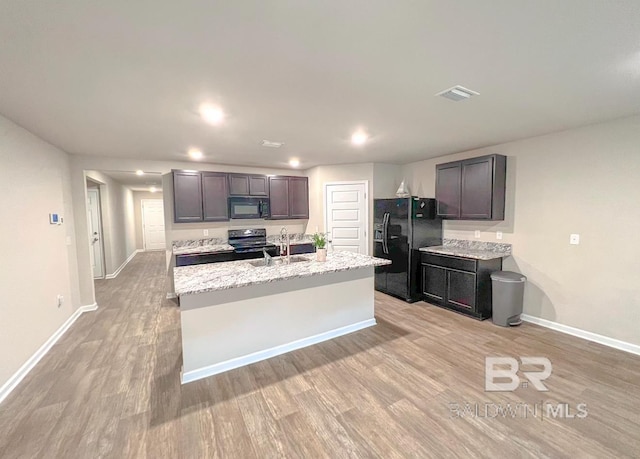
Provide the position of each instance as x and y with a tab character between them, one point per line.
153	224
95	232
346	215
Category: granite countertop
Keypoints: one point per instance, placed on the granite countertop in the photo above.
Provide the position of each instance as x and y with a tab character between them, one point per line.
294	239
191	280
195	246
470	249
210	248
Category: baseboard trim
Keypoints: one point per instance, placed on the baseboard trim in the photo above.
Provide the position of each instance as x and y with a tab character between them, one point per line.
19	375
171	296
584	334
115	274
272	352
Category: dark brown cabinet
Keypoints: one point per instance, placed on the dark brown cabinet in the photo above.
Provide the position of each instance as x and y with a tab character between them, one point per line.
248	185
204	196
279	197
299	197
472	189
457	283
448	190
289	197
214	197
187	196
434	282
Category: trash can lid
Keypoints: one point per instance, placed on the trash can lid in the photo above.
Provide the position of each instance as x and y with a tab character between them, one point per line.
508	276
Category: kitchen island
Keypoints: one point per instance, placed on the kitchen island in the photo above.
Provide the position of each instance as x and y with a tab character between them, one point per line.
236	313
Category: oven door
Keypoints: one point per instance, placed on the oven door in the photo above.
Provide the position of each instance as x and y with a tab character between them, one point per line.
240	208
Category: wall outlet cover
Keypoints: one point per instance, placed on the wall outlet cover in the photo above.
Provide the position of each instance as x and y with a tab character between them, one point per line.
477	233
574	239
498	234
205	232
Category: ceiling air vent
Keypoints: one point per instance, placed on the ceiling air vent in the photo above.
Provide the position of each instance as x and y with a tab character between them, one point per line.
271	144
458	93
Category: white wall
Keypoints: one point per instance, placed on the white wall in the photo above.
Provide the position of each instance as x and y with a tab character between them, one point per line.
584	181
118	220
38	259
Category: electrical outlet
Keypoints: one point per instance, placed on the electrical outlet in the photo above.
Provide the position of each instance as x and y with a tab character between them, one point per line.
477	233
60	300
574	239
498	234
205	232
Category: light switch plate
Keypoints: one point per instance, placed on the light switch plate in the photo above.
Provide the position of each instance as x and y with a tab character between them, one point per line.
205	232
477	233
498	234
574	239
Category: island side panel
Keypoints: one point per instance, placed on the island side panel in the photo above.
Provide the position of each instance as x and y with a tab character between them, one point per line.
230	328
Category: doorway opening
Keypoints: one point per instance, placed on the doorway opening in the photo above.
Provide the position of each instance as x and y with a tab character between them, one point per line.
94	225
152	224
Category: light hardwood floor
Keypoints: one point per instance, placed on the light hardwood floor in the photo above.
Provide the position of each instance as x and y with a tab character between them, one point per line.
110	388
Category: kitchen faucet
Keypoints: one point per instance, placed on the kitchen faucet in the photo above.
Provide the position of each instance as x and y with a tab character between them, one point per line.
284	235
267	257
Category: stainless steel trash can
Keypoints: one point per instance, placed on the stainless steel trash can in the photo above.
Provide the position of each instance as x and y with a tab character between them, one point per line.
507	290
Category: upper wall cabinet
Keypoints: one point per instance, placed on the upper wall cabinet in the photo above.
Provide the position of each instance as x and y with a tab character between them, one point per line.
289	197
214	197
248	185
187	196
200	196
472	189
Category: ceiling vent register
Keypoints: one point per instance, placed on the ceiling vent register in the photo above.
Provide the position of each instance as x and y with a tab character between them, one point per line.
458	93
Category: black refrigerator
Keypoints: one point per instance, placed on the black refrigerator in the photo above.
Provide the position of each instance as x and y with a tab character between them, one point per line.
401	227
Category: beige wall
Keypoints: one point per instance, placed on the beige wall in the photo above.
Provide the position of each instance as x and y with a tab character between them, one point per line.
386	180
38	259
584	181
118	221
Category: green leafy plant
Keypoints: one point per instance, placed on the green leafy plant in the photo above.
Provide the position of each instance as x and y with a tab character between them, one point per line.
320	240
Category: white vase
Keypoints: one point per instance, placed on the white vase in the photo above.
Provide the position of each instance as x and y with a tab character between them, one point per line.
321	254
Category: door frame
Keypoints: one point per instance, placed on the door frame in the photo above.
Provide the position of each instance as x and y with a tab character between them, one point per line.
367	230
144	241
98	193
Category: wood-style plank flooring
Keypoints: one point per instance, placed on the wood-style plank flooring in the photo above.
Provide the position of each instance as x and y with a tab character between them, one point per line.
110	388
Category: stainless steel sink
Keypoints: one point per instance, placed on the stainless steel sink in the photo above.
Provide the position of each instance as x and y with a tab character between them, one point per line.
277	261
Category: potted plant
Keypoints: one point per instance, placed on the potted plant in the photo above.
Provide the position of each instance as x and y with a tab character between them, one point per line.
320	243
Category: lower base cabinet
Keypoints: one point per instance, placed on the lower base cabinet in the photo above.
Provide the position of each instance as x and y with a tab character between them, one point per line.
457	283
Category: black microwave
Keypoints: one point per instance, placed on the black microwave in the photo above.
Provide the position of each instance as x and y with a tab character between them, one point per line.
240	207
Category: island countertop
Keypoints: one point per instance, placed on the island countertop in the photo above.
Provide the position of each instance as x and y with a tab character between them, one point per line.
191	280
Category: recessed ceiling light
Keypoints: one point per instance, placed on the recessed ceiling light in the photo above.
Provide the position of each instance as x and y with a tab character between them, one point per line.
359	138
458	93
139	172
195	153
293	162
270	144
153	189
211	114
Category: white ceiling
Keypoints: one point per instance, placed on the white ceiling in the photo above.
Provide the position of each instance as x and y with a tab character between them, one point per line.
125	78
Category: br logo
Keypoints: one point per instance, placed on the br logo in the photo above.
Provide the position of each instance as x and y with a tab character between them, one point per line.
491	373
